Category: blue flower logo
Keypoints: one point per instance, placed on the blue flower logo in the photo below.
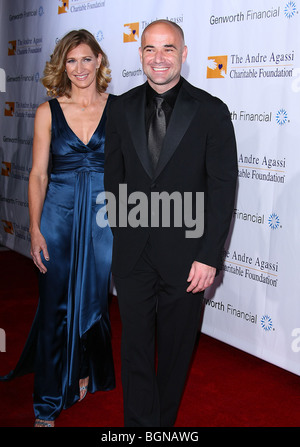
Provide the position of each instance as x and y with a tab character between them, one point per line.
274	221
99	36
281	117
290	10
266	323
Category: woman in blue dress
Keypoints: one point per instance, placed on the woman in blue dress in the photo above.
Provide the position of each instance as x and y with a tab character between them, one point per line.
70	341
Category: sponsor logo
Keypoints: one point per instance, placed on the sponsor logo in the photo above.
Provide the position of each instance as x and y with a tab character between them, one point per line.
253	167
217	67
63	6
131	32
132	73
9	108
17	140
7	226
274	221
251	268
251	65
232	310
251	117
18	230
245	315
257	218
266	323
26	14
99	36
66	6
34	77
281	117
28	45
20	109
6	170
290	10
13	170
12	47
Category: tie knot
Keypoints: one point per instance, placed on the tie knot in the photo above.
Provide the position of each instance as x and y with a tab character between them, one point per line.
158	101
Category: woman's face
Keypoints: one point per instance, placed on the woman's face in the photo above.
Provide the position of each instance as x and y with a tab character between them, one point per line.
81	66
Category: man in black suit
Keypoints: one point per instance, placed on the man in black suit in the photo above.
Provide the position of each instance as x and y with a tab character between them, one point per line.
161	268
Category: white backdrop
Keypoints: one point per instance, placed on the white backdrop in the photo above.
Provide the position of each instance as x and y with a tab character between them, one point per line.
244	51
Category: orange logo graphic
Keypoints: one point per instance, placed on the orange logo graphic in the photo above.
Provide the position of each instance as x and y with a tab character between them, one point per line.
7	169
9	109
217	67
131	32
8	227
63	6
12	47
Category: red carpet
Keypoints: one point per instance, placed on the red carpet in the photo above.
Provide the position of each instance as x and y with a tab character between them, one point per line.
226	387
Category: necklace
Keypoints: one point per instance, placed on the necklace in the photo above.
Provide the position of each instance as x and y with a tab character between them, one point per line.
83	108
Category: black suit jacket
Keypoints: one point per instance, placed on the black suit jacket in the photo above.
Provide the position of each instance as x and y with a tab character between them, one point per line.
198	155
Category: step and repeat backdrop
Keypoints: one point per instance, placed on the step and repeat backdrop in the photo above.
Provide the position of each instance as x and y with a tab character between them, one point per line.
247	52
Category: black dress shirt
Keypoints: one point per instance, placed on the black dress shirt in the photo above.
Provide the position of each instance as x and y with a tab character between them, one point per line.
169	96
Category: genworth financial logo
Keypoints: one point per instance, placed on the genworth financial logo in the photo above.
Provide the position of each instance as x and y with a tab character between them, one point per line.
258	218
274	221
280	116
265	321
288	11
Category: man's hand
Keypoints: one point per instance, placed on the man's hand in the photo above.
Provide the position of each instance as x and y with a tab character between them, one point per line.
200	277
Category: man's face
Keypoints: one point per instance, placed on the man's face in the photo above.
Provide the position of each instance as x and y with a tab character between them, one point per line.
162	54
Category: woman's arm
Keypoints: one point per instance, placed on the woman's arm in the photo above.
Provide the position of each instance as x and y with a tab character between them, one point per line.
38	181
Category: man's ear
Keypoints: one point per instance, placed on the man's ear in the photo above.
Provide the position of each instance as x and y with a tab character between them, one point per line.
184	53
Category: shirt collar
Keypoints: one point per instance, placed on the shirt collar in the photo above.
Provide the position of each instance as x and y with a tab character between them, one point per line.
169	96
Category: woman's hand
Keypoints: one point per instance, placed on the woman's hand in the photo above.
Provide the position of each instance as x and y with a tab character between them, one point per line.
38	245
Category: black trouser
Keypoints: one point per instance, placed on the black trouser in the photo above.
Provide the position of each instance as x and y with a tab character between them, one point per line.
149	306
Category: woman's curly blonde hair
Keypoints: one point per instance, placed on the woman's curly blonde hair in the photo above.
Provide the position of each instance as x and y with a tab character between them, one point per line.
55	78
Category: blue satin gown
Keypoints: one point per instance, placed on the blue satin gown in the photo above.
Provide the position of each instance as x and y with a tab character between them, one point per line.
70	337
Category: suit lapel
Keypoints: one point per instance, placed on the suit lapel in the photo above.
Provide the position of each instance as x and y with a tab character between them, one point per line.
135	108
184	110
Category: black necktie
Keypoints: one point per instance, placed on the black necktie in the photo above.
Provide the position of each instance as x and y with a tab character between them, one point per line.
157	130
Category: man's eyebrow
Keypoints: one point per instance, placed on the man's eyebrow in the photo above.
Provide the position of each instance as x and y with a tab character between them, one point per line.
165	46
